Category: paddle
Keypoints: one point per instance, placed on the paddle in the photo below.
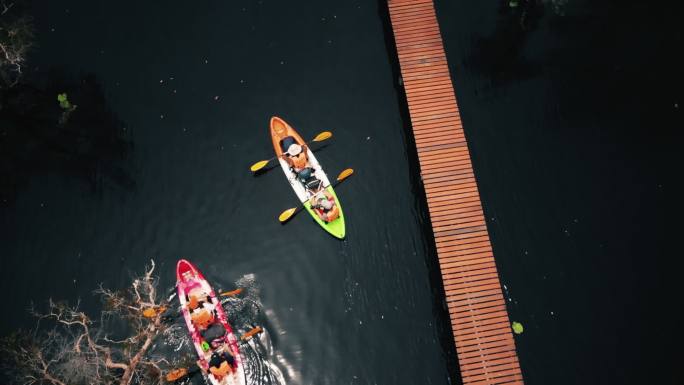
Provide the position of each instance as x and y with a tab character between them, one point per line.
231	293
289	213
262	163
256	330
178	373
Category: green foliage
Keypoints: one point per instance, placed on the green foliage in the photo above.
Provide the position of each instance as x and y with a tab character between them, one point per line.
517	327
63	101
513	3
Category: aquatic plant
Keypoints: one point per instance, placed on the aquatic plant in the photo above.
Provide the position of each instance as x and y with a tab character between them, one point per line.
66	106
63	101
517	327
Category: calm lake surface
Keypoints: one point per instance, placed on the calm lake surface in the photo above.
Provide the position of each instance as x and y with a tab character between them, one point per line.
571	109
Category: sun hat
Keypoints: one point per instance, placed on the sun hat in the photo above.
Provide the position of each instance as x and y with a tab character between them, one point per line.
294	149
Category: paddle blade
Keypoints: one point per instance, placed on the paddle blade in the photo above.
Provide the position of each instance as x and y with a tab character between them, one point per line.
152	312
322	136
251	333
258	165
231	293
176	374
344	174
287	214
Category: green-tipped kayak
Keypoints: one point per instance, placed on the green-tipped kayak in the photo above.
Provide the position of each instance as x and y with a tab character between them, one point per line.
282	134
336	227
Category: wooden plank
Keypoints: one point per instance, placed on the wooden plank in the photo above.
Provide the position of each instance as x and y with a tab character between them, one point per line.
394	4
438	153
395	10
491	376
491	362
416	82
483	343
456	158
426	25
404	24
409	54
422	42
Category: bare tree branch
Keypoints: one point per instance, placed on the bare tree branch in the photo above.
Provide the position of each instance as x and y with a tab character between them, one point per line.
78	350
16	39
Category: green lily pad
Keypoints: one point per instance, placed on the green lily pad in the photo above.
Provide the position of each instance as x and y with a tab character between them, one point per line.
517	327
63	101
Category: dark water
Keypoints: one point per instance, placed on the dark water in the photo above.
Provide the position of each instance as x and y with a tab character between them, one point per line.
570	110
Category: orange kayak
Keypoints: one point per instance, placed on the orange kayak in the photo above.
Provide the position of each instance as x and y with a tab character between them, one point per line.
282	135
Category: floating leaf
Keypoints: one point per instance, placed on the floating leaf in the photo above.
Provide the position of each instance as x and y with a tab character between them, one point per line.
517	327
63	101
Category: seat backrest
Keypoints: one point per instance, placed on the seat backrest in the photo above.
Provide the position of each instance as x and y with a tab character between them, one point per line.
286	143
312	184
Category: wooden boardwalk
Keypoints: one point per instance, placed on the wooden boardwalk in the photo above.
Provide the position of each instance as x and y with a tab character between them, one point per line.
480	324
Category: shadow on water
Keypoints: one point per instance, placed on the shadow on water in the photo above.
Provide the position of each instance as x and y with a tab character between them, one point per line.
500	56
590	44
264	170
87	142
443	326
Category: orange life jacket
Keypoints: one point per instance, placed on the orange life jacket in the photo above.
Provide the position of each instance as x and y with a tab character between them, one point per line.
299	160
193	303
202	319
221	371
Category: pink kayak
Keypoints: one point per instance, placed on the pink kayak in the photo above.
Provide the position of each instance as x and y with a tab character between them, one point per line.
212	336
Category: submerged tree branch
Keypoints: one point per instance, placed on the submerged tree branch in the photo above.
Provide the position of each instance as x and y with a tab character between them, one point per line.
16	39
77	350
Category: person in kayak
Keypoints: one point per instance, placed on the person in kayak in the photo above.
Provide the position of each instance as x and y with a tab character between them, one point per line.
214	334
296	156
324	205
221	364
202	318
197	297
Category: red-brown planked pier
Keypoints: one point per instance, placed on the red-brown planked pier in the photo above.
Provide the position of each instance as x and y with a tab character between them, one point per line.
480	324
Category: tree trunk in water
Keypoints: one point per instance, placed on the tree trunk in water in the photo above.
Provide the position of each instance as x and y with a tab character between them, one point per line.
133	364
